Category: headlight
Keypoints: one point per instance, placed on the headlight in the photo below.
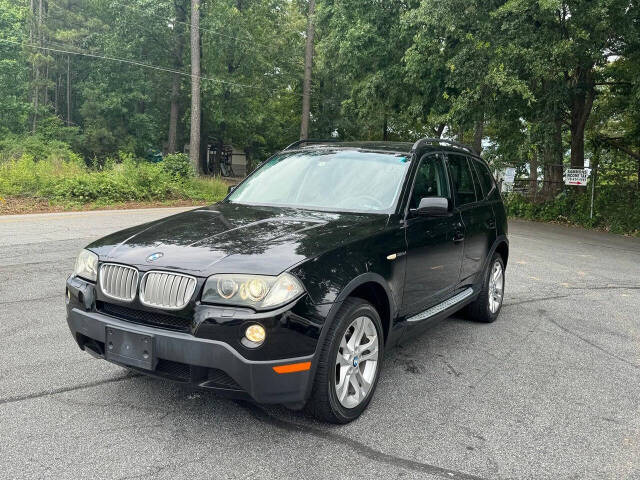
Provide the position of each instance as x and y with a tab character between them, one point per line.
255	291
87	265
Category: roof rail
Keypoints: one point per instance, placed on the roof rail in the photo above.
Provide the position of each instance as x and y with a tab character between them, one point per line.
309	142
424	141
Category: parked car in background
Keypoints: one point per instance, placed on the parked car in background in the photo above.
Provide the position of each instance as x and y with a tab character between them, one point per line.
292	288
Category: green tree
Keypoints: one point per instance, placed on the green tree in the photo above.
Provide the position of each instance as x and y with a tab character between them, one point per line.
14	80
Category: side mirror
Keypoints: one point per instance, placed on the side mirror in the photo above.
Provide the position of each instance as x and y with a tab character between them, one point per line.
231	188
433	207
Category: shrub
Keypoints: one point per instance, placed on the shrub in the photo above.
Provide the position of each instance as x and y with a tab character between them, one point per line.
37	147
69	180
616	208
178	165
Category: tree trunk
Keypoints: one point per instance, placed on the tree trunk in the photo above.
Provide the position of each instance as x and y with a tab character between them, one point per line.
69	122
173	115
194	140
31	7
181	13
477	137
55	94
36	94
308	66
46	85
533	176
385	128
33	62
552	159
439	130
577	147
581	106
638	170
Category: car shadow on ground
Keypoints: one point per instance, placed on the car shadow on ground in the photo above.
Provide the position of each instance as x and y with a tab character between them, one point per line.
412	360
200	415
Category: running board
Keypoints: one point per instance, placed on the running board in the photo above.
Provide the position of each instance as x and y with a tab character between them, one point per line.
441	307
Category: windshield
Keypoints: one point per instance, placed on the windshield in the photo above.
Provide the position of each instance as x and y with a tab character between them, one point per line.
327	180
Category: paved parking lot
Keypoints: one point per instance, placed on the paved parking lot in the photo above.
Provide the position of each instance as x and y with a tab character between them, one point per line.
549	391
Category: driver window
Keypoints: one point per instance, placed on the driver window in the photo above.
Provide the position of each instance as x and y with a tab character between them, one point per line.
431	180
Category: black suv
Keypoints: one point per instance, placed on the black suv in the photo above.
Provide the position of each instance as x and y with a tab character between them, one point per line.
291	288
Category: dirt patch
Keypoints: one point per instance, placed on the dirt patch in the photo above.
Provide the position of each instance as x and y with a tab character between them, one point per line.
23	205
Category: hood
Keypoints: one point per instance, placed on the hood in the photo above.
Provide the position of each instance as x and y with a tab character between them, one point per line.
232	238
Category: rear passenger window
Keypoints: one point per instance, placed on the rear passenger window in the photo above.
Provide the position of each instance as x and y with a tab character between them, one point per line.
486	178
476	180
462	179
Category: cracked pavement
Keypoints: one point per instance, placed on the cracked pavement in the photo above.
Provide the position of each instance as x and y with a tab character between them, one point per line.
551	390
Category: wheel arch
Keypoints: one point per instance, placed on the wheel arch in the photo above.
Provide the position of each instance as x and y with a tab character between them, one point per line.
373	288
502	247
371	283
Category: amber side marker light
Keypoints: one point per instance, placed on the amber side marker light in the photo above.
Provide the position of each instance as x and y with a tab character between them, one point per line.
293	367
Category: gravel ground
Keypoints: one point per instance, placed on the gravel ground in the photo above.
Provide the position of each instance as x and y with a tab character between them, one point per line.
549	391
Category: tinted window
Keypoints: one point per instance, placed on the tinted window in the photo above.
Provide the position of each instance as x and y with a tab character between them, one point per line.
476	180
431	181
462	179
486	179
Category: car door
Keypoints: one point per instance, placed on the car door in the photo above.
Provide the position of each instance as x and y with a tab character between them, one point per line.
434	246
477	216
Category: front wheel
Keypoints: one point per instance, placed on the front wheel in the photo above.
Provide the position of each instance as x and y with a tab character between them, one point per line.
348	364
486	307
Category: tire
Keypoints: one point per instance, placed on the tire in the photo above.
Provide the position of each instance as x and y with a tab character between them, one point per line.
482	309
324	403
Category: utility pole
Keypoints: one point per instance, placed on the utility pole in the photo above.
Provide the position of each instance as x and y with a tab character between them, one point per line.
69	122
308	66
36	96
179	40
194	141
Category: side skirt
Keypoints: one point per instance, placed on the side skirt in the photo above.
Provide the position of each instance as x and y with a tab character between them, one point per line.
441	307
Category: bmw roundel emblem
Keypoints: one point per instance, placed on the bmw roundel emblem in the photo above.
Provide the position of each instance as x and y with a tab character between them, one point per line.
154	256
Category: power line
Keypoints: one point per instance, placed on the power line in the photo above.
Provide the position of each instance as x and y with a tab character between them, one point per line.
175	20
250	42
144	65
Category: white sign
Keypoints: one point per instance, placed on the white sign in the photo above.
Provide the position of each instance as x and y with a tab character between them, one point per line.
509	175
576	176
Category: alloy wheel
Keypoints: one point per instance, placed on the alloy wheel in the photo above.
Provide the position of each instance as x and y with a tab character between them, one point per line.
357	362
496	287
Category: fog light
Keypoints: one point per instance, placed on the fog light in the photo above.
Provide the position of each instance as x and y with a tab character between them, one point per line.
255	333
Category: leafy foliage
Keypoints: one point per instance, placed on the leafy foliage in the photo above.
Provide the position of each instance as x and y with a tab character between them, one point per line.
615	210
178	166
65	178
539	85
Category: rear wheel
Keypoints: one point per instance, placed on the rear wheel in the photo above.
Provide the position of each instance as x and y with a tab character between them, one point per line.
486	307
348	364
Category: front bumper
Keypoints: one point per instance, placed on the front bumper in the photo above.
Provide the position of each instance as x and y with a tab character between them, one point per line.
182	356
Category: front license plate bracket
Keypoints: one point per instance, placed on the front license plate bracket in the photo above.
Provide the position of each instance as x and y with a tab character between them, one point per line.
129	348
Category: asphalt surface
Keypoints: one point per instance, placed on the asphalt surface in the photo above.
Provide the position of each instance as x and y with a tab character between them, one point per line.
551	390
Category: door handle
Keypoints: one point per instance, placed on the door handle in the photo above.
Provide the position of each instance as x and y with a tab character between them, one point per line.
491	223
